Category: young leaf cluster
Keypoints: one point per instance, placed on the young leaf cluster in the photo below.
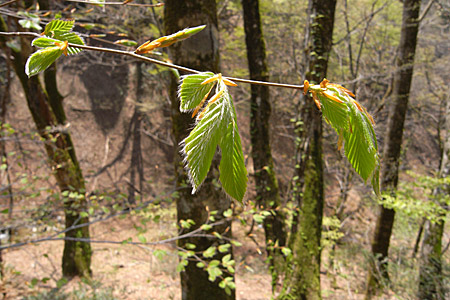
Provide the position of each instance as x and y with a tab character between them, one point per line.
53	43
354	126
215	126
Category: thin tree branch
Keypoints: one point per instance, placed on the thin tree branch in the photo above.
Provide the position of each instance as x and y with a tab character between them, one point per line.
117	3
155	61
425	11
8	3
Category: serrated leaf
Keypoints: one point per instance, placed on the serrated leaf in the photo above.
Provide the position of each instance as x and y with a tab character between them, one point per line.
58	25
201	144
41	60
192	92
360	144
233	174
352	122
335	113
216	127
72	38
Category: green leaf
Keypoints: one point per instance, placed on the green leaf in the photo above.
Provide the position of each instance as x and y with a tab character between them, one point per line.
205	227
44	42
33	282
360	144
228	213
72	38
335	113
180	35
216	126
286	251
126	42
352	123
201	144
58	25
210	252
41	60
191	90
224	248
142	238
233	174
159	254
31	22
214	273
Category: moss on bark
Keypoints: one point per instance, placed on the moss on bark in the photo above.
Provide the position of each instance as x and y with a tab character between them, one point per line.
200	52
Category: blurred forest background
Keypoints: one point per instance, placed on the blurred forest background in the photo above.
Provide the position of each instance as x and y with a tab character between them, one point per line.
118	115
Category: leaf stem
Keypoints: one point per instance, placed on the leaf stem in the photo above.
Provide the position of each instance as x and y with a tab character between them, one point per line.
157	62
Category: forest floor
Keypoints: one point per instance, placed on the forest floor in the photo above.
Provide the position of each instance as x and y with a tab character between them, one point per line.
135	272
121	271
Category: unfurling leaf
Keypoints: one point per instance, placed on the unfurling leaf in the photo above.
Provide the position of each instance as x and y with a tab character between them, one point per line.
216	126
354	126
168	40
30	21
126	42
42	59
55	41
58	25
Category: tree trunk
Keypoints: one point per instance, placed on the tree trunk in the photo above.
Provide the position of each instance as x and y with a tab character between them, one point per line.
199	52
302	279
431	279
267	191
393	142
136	164
47	112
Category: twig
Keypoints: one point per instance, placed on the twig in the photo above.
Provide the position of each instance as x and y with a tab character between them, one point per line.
116	3
425	11
8	3
194	233
155	61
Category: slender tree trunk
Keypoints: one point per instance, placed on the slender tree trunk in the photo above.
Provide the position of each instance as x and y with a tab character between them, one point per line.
302	279
267	191
199	52
136	165
5	99
431	279
47	112
393	142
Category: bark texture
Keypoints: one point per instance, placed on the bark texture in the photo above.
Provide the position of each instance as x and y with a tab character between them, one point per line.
431	277
267	191
47	111
200	52
302	279
392	147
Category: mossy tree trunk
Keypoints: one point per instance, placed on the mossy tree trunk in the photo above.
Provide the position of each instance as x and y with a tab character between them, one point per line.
267	191
48	115
393	141
431	278
302	280
200	52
